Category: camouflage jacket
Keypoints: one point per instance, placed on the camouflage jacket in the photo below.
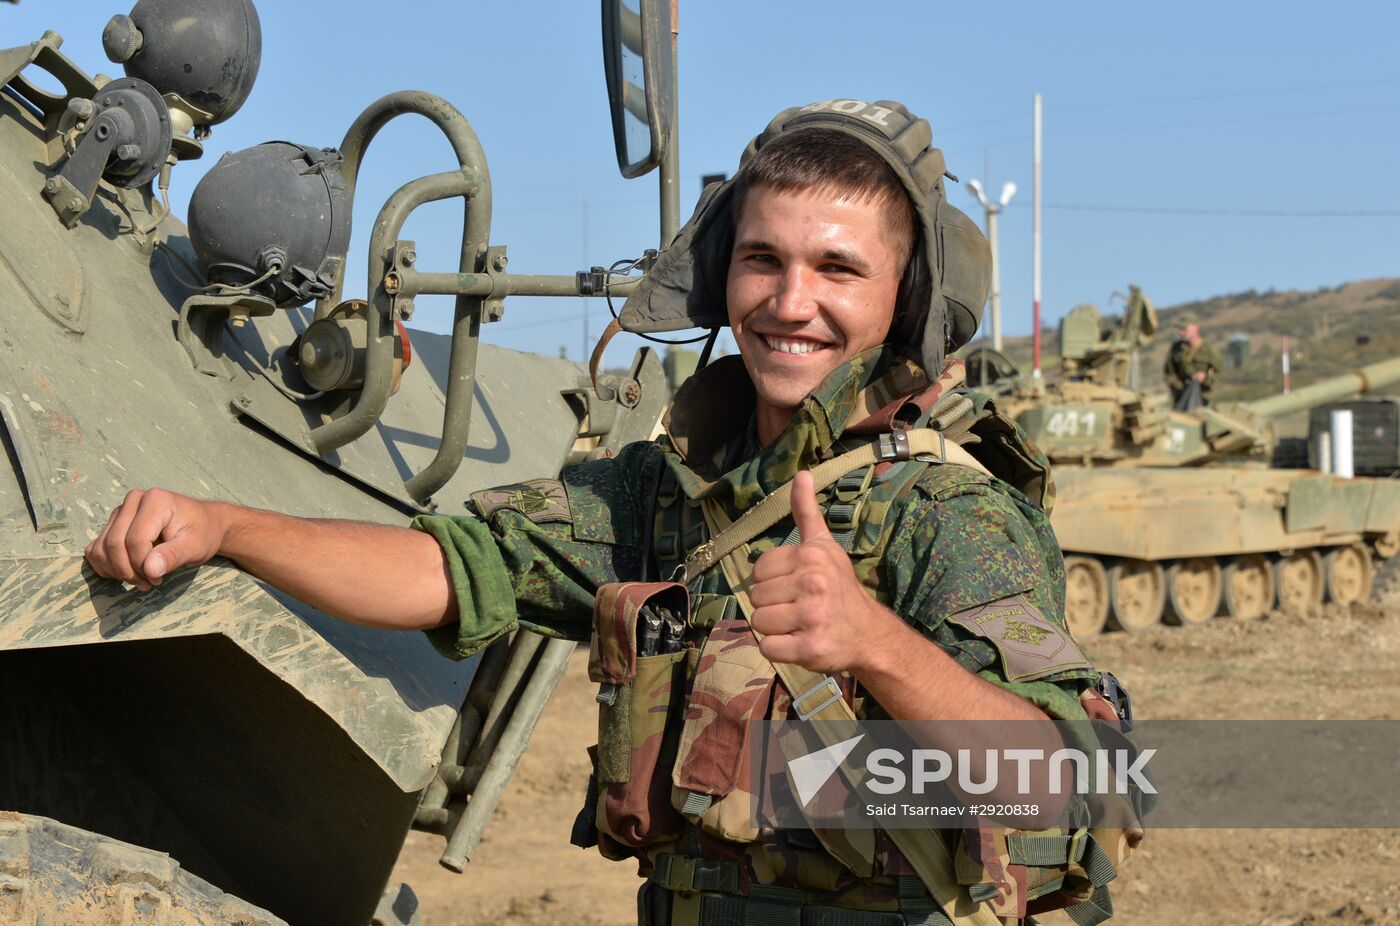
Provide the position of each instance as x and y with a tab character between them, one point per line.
951	542
1184	361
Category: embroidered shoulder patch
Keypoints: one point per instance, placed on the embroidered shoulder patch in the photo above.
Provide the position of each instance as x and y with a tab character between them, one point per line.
1031	647
540	500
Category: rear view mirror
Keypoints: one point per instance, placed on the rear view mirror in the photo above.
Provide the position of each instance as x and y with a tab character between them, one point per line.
638	63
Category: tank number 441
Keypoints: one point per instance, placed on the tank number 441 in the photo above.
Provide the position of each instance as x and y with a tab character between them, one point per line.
1073	424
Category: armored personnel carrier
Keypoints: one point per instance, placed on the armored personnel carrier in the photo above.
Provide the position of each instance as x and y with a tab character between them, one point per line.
1177	516
213	752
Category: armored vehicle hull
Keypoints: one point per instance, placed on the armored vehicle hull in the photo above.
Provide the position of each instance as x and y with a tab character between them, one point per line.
214	724
1185	545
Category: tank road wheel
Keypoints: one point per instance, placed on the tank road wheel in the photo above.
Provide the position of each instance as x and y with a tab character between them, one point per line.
52	873
1249	587
1388	544
1299	580
1086	596
1349	574
1137	591
1193	590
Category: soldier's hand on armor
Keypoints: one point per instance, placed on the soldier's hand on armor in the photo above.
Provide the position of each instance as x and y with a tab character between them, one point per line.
154	532
808	602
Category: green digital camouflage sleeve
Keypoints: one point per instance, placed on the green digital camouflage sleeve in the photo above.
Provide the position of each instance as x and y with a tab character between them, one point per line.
975	566
533	554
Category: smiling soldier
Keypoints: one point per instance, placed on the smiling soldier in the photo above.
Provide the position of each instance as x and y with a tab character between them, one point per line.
892	570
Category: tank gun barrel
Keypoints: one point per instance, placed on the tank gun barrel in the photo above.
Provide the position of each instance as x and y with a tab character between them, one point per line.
1366	379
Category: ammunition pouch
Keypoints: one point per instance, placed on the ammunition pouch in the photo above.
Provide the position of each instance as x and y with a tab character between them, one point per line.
733	684
673	727
1021	873
641	698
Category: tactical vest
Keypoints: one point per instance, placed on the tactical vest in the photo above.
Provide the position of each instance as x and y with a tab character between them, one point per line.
681	676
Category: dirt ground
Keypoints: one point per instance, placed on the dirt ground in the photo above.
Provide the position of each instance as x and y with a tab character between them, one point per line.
1329	665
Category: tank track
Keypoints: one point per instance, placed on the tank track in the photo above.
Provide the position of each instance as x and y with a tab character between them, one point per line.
51	873
1387	581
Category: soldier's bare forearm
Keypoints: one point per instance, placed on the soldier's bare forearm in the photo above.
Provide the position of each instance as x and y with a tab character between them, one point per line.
366	573
370	574
912	678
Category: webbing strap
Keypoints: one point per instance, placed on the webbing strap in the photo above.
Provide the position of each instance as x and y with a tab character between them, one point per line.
726	910
1097	865
770	911
687	874
925	914
696	803
775	507
924	849
984	892
1042	851
1093	911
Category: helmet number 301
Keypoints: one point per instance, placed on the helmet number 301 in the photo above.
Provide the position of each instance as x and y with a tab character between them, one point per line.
876	114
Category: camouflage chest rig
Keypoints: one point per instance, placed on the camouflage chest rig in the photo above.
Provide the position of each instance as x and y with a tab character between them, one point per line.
680	671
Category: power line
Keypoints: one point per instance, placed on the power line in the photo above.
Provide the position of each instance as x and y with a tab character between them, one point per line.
1227	122
1264	213
539	323
1166	101
1160	127
1236	94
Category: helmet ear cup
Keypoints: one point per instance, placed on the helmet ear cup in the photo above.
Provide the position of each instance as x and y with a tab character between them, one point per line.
912	310
966	267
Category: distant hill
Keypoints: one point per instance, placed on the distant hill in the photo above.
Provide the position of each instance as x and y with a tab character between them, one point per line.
1330	331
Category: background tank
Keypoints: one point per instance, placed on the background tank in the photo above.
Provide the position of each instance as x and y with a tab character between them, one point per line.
214	752
1176	516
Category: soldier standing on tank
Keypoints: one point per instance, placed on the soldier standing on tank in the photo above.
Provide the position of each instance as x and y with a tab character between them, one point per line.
845	276
1191	365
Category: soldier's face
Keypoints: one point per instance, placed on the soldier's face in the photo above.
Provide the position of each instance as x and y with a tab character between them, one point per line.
812	282
1192	333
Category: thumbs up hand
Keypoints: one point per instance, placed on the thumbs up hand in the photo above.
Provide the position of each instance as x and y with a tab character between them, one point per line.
809	606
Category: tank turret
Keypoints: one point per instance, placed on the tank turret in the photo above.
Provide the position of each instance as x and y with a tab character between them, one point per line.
1098	424
1093	415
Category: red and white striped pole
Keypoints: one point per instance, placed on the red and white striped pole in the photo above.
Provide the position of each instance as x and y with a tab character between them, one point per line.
1287	373
1035	246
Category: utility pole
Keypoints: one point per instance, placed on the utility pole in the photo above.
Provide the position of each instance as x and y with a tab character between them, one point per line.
587	303
993	209
1035	243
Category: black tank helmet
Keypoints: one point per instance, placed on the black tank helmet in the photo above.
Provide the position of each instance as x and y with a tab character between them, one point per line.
944	288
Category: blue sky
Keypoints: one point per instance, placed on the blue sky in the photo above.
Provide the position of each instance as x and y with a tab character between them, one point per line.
1162	123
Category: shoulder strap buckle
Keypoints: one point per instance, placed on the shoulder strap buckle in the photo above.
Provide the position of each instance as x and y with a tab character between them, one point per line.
893	446
827	686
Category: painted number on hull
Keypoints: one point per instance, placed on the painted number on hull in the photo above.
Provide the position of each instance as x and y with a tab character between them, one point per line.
1073	424
1176	440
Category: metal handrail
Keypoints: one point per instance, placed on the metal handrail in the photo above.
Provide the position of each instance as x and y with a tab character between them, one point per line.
473	183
